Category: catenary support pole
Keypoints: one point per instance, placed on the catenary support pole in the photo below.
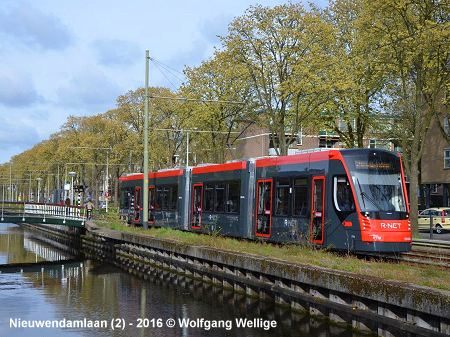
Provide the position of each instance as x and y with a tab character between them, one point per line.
10	182
187	148
107	181
145	208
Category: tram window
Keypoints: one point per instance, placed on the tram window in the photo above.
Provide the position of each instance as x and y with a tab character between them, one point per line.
208	198
137	192
219	200
125	197
301	197
264	209
158	202
173	198
282	197
165	198
234	191
151	199
342	195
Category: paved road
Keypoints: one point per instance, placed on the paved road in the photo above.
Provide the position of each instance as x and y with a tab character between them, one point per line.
444	236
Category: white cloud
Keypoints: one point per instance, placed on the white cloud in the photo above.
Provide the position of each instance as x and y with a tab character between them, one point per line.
88	90
15	135
29	26
17	89
116	52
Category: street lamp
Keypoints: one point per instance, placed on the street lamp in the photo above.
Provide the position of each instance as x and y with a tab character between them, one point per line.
39	179
71	175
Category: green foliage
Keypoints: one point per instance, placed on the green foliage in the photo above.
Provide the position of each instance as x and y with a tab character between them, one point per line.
411	39
224	86
268	43
360	69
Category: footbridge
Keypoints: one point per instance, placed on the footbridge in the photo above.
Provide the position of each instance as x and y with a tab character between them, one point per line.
38	213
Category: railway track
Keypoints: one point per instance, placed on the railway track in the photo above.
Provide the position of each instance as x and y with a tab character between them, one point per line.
426	257
424	252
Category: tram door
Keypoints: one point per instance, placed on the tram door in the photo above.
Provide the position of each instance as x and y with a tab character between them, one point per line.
197	206
151	204
263	207
137	204
318	210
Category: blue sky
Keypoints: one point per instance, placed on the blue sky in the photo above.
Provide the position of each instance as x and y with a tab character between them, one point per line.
74	57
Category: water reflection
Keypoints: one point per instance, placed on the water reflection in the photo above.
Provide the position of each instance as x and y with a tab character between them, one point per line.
102	292
20	246
42	250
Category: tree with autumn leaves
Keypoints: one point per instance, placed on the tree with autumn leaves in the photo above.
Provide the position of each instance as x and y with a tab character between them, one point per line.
364	68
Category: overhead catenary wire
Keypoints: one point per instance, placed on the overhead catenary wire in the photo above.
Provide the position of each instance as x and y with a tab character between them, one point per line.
165	76
169	69
173	70
160	65
199	100
194	130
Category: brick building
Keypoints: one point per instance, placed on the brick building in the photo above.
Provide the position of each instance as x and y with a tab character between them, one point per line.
435	166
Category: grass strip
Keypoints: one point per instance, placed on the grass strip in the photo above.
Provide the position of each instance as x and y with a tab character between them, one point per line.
429	276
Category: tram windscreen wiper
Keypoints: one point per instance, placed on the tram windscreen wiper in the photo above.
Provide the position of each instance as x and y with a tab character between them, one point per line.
364	194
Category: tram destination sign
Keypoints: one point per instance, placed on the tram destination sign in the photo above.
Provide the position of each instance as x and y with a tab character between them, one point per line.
367	165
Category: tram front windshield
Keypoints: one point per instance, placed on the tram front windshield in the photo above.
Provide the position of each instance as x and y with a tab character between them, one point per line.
377	178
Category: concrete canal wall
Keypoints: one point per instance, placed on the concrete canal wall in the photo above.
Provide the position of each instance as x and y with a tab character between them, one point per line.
382	306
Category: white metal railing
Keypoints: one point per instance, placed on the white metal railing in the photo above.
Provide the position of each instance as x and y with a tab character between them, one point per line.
55	211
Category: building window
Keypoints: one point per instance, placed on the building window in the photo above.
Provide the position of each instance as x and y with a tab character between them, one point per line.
372	144
434	188
342	125
327	143
447	158
446	126
299	138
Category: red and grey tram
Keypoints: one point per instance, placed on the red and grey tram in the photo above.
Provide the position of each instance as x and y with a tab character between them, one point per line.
353	199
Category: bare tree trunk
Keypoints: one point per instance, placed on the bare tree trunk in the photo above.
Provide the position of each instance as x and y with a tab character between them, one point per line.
413	187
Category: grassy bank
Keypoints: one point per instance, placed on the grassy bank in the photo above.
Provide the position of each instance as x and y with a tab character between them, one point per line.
434	277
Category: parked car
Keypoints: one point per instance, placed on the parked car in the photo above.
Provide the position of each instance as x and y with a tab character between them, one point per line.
441	219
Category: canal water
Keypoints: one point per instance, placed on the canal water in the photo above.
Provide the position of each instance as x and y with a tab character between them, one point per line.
87	292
